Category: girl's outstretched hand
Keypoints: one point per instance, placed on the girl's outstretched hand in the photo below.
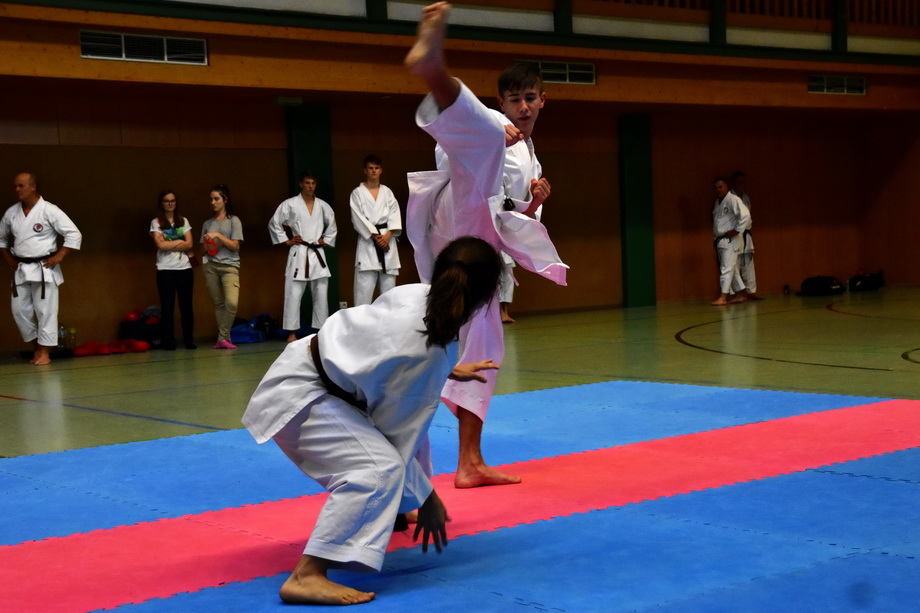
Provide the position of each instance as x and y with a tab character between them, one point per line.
470	372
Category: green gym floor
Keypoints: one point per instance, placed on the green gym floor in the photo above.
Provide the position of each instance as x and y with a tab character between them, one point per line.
855	344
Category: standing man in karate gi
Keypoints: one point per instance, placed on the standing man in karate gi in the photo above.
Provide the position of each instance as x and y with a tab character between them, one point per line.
745	278
29	232
375	216
489	185
305	224
730	218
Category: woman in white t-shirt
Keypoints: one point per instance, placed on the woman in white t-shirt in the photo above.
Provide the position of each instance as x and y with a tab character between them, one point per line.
173	237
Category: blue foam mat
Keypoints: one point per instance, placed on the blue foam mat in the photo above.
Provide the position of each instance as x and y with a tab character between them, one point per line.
633	558
101	487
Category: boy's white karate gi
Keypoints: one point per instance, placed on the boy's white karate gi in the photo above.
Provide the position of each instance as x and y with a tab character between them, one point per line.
374	216
366	459
728	214
468	200
36	236
303	263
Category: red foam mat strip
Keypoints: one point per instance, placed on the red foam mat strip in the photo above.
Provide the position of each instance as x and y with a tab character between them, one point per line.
128	564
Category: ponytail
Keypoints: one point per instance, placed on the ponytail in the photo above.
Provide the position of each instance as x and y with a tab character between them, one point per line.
447	301
465	278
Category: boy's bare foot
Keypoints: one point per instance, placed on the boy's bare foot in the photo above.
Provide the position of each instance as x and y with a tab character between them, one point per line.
506	318
426	57
738	299
480	475
41	357
308	584
719	302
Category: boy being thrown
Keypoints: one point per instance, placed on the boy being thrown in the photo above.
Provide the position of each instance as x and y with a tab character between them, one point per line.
488	165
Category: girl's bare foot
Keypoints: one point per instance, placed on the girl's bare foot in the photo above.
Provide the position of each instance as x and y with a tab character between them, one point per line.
426	57
481	474
308	584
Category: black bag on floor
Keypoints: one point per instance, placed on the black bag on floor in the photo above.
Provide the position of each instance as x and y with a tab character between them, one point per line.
821	286
870	282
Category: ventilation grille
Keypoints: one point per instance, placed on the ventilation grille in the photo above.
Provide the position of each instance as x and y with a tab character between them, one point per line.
823	84
138	48
567	72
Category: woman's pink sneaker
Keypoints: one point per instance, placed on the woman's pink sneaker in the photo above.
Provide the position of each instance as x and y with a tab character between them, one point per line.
224	345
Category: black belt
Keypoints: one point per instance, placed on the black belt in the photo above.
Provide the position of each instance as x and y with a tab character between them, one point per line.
331	387
32	261
318	250
381	254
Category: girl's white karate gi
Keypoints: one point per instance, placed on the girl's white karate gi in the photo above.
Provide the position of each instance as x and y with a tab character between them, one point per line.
729	213
35	236
303	265
367	216
468	200
366	459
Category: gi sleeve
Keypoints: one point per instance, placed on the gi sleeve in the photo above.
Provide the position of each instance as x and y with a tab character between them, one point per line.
276	224
361	223
63	225
329	229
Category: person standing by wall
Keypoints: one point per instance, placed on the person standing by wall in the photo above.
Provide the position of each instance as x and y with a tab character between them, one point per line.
375	217
172	235
746	278
29	234
729	219
306	224
222	236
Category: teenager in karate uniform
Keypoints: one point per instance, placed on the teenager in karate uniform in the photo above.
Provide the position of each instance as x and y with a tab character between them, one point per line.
730	218
311	224
351	406
375	217
745	281
29	232
474	197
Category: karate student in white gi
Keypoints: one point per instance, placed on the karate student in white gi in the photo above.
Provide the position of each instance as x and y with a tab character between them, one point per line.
745	282
730	218
487	191
351	406
375	216
29	232
305	224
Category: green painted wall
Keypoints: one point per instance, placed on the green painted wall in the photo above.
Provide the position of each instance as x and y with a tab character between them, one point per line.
636	210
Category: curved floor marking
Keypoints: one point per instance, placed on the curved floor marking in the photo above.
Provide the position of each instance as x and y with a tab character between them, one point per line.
679	337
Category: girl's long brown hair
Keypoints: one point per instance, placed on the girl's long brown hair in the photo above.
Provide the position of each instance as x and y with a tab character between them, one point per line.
464	279
177	214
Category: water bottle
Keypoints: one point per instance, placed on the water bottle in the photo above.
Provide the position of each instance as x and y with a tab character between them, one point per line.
62	337
72	339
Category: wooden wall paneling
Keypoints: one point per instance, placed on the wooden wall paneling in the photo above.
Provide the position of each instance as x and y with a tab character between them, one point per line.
891	217
27	118
807	181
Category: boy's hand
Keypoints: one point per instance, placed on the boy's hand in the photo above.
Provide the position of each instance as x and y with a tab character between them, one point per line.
512	135
469	372
540	190
432	522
